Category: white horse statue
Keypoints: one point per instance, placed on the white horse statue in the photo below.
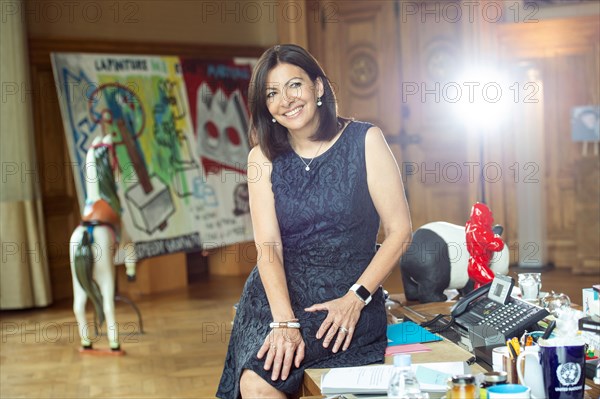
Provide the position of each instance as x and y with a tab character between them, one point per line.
93	246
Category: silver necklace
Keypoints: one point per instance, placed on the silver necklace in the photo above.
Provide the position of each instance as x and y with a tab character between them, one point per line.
307	168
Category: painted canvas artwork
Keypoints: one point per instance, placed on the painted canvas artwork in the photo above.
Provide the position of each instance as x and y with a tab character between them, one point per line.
170	171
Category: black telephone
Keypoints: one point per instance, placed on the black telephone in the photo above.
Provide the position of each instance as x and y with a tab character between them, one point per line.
491	310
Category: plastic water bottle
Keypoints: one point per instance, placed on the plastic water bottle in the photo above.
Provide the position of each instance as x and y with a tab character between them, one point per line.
403	382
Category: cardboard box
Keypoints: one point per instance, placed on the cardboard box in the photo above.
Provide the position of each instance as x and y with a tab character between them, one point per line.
591	302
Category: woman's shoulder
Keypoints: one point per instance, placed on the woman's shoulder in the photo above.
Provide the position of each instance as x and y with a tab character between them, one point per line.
360	129
258	159
366	133
358	125
256	154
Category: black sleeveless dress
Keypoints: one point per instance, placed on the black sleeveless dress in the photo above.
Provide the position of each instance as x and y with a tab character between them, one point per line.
328	227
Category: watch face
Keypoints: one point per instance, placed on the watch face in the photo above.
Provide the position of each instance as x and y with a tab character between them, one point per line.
363	293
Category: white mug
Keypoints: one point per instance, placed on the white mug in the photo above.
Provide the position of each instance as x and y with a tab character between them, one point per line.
529	370
498	355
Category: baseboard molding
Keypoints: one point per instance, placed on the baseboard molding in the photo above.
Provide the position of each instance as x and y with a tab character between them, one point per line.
523	269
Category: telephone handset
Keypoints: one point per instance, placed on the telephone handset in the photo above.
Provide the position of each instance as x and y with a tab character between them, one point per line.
491	305
463	303
498	291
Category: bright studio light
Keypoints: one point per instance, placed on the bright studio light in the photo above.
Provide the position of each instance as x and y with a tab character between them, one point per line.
485	97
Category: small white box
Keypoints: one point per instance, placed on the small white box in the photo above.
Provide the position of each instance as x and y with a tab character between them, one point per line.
591	302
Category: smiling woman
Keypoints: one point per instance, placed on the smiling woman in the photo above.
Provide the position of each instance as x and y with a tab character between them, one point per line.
325	183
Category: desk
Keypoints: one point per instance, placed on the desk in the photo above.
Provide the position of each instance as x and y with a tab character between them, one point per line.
441	351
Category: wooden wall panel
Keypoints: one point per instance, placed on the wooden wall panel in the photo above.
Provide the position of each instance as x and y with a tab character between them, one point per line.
586	213
227	23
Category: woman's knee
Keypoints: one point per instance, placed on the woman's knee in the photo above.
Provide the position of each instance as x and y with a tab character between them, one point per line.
253	386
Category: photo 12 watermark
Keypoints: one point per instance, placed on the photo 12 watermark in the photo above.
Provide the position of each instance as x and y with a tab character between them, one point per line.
267	11
213	331
72	12
501	11
23	252
471	172
64	332
471	92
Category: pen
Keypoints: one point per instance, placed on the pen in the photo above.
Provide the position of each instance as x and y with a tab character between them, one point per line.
523	339
516	346
549	329
511	350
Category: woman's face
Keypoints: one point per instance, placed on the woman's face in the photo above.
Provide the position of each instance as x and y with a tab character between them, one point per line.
292	97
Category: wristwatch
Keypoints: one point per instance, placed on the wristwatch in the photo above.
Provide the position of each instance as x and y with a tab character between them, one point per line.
362	293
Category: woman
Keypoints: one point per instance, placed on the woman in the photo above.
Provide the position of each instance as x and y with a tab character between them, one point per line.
323	184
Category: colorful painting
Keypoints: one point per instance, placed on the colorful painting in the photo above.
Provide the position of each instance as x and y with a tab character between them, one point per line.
170	202
217	98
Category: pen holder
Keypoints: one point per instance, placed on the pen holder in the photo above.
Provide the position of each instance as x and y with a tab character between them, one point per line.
510	366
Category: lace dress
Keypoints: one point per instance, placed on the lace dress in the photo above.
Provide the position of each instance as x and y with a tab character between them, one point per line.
328	227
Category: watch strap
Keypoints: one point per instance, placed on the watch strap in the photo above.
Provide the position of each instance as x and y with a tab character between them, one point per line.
284	324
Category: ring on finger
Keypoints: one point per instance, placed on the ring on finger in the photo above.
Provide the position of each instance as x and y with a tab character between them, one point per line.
344	330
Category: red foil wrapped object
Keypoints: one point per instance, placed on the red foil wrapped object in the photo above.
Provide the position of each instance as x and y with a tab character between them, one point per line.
482	242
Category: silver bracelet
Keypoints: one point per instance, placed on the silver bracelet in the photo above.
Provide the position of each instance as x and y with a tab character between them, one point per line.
285	324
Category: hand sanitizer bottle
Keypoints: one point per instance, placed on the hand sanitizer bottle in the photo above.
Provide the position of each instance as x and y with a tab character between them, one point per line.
403	382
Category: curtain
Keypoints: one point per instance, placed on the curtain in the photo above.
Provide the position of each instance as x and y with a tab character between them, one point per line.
24	275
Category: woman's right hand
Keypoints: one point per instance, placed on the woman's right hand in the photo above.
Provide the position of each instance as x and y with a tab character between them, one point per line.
283	346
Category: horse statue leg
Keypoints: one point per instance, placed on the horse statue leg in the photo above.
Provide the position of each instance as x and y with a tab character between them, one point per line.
127	248
104	275
81	265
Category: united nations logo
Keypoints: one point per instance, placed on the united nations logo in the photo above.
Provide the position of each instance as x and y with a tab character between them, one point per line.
568	373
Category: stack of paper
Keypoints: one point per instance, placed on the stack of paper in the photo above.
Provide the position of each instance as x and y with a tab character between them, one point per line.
374	380
362	380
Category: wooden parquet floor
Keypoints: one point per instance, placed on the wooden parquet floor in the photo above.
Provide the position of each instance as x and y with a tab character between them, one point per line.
180	355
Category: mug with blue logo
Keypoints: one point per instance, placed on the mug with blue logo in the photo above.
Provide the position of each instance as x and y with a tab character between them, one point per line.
563	367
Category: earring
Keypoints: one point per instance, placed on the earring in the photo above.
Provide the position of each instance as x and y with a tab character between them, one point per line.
274	120
319	102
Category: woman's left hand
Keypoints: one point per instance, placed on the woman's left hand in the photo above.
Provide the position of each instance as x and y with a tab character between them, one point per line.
342	317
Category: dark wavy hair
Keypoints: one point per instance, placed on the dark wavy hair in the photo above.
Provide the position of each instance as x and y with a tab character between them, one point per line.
272	137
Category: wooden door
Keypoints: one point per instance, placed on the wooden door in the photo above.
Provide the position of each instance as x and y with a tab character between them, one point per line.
441	169
382	62
356	44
